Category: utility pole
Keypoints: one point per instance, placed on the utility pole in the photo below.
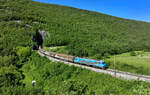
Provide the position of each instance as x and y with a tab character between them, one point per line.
32	41
68	59
115	64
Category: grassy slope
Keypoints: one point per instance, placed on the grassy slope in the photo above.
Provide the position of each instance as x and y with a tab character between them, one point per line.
58	49
136	64
58	78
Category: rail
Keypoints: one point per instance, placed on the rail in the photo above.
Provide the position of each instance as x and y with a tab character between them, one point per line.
114	73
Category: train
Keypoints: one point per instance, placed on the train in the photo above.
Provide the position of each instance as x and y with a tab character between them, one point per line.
77	60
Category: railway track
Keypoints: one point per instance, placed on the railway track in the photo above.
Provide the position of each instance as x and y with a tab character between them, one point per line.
114	73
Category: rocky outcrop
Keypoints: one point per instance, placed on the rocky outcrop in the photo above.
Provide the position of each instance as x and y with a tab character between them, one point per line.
44	34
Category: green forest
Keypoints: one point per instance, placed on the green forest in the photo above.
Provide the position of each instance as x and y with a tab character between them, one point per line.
84	33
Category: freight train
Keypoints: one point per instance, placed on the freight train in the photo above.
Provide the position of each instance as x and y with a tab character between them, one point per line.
77	60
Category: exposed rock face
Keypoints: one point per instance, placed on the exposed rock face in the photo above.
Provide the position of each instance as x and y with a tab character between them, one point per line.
27	25
40	36
44	34
17	21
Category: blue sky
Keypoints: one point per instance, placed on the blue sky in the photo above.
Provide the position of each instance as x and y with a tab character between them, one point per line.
130	9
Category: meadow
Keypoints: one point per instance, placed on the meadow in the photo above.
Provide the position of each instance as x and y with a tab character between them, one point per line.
57	49
138	63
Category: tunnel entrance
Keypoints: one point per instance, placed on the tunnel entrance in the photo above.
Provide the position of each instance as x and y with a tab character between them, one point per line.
39	39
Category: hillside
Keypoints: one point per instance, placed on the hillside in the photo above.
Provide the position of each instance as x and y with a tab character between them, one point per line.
87	33
81	32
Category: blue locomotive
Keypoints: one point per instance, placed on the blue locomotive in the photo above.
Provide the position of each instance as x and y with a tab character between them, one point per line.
91	62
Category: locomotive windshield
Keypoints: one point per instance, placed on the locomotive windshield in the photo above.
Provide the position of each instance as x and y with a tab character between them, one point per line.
103	62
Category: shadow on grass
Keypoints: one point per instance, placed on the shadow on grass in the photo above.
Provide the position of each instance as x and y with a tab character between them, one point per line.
133	69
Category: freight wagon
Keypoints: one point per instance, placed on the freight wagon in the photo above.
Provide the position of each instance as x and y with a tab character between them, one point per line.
65	57
77	60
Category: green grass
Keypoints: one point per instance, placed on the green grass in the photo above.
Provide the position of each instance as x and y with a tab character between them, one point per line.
139	64
56	78
57	49
27	80
84	33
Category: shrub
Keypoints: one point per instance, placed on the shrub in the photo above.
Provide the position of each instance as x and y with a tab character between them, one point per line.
23	51
141	90
132	53
107	55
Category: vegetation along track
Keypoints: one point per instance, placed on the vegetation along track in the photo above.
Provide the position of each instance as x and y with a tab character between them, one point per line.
115	73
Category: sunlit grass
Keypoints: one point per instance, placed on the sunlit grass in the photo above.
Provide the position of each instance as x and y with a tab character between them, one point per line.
57	49
140	63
